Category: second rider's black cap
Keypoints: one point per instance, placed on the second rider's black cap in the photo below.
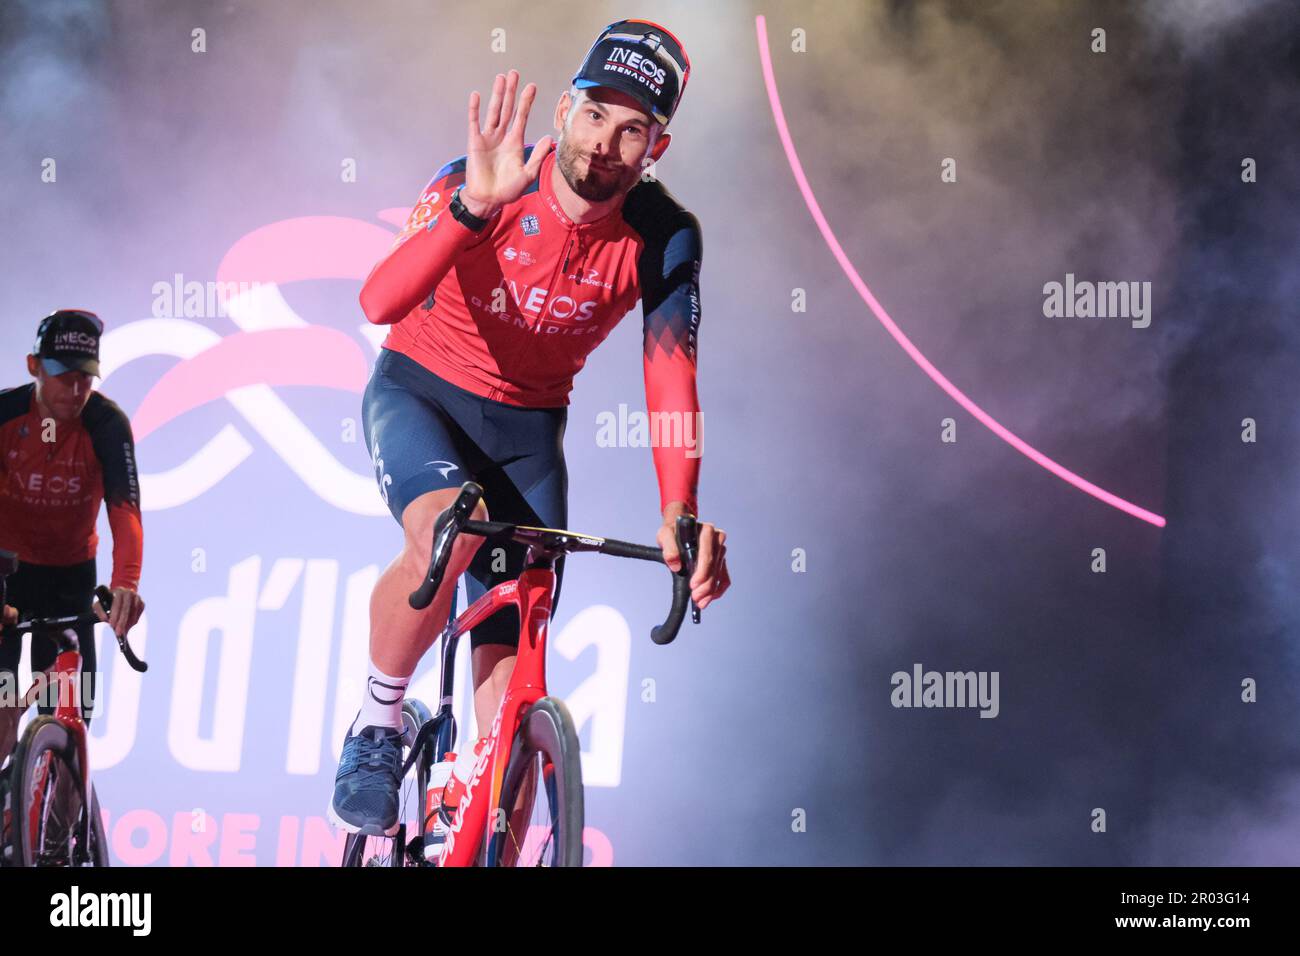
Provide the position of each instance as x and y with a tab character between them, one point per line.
69	339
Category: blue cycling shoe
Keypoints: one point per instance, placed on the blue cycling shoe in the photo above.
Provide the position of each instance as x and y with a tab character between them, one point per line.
366	786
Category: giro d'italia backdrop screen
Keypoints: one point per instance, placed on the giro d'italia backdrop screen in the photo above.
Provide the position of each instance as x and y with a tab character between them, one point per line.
992	315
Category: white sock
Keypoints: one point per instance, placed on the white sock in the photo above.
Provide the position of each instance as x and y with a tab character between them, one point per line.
381	704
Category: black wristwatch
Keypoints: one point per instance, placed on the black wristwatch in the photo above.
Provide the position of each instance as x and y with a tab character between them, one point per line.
463	215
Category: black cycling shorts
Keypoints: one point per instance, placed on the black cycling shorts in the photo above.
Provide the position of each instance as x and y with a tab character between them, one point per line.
426	434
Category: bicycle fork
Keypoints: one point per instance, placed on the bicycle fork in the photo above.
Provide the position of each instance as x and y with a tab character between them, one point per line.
68	666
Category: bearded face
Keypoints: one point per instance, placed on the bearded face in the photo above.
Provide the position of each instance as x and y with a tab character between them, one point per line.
601	148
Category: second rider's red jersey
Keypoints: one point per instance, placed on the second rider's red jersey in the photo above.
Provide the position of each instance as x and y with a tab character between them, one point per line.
53	476
512	313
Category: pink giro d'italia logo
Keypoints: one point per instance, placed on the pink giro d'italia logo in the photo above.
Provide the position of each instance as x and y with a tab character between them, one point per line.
275	346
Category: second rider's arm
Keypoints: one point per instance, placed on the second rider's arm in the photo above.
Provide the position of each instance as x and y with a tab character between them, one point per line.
110	434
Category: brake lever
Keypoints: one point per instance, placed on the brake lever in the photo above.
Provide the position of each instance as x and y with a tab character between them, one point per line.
105	597
688	542
445	529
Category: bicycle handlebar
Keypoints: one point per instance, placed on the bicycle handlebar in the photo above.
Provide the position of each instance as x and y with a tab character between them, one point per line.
686	541
42	624
455	520
445	529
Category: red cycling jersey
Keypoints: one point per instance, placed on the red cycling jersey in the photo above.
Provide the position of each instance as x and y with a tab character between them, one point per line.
55	474
511	313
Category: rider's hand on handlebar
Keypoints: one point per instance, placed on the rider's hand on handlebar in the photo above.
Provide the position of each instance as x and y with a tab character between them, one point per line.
495	172
711	578
127	608
10	616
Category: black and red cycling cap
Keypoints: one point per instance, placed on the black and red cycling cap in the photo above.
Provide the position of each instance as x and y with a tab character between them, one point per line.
69	339
642	59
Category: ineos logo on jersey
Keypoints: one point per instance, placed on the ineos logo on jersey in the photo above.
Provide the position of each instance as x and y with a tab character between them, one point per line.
565	307
536	300
38	483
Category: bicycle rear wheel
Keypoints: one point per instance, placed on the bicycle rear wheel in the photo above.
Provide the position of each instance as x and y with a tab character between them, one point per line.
396	850
541	793
47	806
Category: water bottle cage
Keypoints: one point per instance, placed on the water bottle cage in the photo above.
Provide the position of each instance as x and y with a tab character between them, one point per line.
446	814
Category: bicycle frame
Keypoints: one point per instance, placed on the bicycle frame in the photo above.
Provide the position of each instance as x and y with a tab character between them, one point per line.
66	672
532	594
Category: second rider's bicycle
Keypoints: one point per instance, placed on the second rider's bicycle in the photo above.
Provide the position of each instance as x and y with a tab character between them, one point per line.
51	815
524	802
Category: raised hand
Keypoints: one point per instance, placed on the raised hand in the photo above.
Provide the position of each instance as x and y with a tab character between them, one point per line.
495	171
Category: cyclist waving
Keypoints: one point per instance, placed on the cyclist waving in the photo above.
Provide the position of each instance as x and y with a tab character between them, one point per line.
515	263
64	449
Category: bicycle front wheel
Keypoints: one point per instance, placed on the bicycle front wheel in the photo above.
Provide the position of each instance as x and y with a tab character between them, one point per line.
47	806
541	817
98	838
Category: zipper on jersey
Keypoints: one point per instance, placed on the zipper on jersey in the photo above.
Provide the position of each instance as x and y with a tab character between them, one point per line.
555	275
574	243
567	248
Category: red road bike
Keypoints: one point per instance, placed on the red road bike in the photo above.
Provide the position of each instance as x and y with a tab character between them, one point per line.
52	816
524	803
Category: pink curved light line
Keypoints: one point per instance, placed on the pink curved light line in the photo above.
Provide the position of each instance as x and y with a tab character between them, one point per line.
957	395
